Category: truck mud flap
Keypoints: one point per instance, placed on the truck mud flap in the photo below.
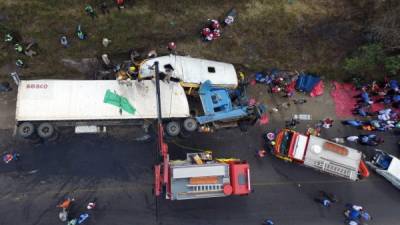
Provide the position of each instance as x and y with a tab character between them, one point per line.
363	169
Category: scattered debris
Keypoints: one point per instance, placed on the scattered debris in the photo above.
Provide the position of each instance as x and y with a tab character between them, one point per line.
5	87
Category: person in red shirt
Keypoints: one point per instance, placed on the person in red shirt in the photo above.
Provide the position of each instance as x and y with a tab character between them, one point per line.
205	32
216	33
261	153
171	47
120	4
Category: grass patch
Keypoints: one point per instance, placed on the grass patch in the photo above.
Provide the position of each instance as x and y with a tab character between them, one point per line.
267	33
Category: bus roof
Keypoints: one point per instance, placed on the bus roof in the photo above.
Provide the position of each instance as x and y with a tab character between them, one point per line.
58	100
193	70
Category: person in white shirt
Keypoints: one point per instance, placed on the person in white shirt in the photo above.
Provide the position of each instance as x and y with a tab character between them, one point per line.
352	138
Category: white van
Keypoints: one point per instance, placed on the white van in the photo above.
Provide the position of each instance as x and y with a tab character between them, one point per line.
387	166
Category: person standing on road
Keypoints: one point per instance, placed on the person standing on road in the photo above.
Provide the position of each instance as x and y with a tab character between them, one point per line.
65	206
261	153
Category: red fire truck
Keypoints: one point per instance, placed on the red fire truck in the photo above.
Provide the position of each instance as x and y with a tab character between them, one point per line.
199	176
320	154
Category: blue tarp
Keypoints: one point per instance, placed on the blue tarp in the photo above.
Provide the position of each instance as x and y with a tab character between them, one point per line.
306	82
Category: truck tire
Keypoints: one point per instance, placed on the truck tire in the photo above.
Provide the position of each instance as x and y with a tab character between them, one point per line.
45	130
190	124
26	129
173	128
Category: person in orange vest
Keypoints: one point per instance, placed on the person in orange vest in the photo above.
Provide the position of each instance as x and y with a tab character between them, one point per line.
66	203
65	206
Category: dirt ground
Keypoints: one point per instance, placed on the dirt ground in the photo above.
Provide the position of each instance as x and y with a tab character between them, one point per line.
311	35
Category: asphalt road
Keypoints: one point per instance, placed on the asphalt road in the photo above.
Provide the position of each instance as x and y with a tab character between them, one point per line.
117	171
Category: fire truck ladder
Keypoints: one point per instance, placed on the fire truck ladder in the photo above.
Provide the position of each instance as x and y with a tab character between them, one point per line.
205	188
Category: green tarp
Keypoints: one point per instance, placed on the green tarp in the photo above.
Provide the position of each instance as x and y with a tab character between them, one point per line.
114	99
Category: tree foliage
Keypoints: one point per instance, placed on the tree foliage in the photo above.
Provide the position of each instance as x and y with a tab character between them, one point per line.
392	64
370	60
384	24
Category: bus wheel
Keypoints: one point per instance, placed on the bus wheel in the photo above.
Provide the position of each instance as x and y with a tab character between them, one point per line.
173	128
190	124
26	129
45	130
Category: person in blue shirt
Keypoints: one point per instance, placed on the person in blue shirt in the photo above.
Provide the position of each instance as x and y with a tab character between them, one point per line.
324	201
268	222
394	85
360	111
354	123
396	98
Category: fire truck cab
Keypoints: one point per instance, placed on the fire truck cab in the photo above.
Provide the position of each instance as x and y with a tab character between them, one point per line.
320	154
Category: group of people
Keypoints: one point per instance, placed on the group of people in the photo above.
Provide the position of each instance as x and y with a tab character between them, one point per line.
354	214
103	7
20	48
211	31
386	93
383	120
66	216
90	11
79	33
278	81
366	139
9	157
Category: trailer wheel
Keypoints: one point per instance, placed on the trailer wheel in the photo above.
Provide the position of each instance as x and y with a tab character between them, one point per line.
173	128
190	124
45	130
26	129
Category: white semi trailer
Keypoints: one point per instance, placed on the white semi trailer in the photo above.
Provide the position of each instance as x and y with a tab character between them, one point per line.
91	105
